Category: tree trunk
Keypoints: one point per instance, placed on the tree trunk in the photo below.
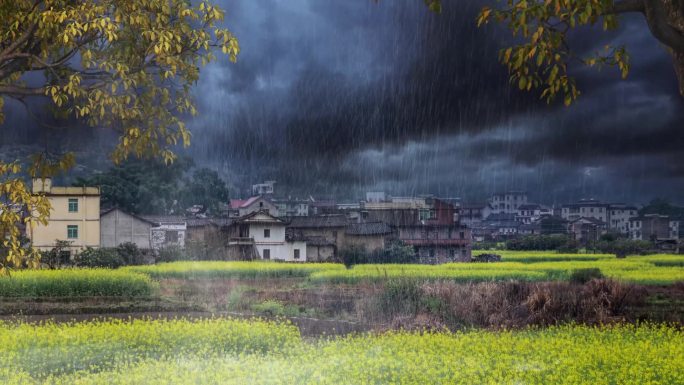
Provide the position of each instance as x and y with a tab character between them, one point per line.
678	58
675	18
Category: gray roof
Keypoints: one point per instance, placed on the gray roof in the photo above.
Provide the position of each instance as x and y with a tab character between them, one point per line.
369	228
164	218
318	221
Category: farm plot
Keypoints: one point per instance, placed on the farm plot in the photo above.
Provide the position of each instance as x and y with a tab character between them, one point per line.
224	351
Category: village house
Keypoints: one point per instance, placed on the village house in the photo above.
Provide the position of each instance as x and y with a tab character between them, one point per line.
74	217
425	223
291	207
619	215
472	214
167	231
239	208
260	235
531	212
586	208
323	234
372	236
508	202
118	226
586	230
653	227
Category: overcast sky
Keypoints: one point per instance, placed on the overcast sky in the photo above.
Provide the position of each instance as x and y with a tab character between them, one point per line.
339	97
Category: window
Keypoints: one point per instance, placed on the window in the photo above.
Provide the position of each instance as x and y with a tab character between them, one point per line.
267	254
73	205
267	233
72	231
261	204
334	233
296	253
462	234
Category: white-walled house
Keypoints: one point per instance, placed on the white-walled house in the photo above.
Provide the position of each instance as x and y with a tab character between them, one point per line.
240	208
268	234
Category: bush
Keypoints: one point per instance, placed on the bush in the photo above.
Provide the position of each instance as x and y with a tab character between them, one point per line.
394	252
570	247
172	254
485	245
103	257
353	255
538	242
130	253
401	296
585	275
58	256
624	247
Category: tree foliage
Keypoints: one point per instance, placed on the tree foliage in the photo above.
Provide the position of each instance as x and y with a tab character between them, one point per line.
127	65
542	57
152	187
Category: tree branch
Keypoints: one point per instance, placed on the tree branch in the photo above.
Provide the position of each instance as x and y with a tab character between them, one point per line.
657	19
21	91
626	6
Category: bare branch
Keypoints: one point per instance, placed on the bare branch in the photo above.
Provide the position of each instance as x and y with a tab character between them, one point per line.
21	91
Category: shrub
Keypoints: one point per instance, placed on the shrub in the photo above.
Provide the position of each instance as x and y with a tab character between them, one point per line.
400	296
103	257
395	252
353	255
172	254
585	275
58	256
130	253
538	242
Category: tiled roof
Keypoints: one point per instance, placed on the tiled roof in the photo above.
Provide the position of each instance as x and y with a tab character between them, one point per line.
370	228
318	221
164	218
241	203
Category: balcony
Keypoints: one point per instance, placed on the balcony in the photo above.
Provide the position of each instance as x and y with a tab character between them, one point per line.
241	241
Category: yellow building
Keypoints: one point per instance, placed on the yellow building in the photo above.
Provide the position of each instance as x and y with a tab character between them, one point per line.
74	216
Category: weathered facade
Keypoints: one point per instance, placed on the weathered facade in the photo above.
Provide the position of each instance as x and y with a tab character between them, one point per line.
118	226
372	236
323	234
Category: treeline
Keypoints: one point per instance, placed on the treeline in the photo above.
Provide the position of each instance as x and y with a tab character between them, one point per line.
152	187
607	244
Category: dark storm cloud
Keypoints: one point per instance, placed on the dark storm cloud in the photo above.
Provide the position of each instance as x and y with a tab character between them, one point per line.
340	97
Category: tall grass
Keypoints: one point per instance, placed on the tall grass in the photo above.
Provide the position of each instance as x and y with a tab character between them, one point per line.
76	283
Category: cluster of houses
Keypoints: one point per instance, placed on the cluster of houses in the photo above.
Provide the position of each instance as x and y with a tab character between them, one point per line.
509	214
261	227
265	227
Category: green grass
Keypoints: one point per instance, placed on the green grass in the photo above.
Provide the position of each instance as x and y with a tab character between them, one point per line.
242	352
76	283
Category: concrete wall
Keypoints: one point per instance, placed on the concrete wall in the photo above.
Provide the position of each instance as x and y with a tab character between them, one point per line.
117	227
320	253
87	220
